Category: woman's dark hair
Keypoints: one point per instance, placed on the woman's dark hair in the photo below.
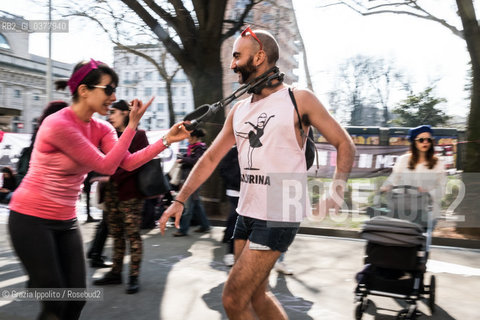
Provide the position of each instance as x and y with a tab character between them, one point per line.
7	170
430	155
51	108
93	78
123	105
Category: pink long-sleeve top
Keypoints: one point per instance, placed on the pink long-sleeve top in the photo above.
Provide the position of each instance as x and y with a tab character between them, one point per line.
65	150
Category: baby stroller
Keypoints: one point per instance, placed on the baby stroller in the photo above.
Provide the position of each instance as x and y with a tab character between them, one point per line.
398	240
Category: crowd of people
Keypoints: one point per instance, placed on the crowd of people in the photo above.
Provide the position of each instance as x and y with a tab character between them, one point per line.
70	143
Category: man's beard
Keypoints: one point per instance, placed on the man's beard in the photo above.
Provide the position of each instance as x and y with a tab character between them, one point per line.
246	71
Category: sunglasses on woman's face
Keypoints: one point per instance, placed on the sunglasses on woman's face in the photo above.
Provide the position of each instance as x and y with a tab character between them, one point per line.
422	140
109	90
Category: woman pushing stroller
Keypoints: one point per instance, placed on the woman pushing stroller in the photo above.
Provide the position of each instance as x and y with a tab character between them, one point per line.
420	167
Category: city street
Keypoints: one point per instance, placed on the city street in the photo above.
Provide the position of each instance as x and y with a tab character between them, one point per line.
182	279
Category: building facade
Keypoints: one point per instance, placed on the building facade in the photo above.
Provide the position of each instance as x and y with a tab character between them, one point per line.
23	79
139	78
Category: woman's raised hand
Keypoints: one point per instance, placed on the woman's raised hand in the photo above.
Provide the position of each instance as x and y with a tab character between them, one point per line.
137	109
177	132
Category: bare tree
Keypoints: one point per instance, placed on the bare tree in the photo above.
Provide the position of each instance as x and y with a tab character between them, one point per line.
471	35
192	32
363	86
115	35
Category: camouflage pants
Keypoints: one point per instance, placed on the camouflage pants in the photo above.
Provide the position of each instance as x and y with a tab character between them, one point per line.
124	220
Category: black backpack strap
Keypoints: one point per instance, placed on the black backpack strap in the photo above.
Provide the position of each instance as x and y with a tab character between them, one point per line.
309	137
290	92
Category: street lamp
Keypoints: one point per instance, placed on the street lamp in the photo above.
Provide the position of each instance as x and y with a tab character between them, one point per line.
49	60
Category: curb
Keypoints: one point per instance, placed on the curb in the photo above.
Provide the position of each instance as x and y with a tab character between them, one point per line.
446	242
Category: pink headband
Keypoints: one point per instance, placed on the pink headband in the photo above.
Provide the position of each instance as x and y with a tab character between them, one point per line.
81	73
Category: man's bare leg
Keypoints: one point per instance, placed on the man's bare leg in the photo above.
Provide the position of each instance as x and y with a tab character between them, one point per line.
246	286
266	305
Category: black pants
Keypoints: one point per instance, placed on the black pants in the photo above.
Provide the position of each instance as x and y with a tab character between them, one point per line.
51	252
98	243
232	219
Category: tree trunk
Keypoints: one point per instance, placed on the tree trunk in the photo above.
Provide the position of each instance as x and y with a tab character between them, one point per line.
471	202
207	89
171	111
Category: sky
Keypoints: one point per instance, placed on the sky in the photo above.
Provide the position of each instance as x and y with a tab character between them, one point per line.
425	50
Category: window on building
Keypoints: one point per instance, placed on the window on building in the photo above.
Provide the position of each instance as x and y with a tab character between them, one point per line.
161	91
127	92
183	106
161	107
174	91
183	91
134	92
35	123
3	42
17	93
148	91
136	76
127	76
148	75
36	97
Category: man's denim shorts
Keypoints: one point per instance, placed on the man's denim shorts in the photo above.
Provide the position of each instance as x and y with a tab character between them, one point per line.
266	235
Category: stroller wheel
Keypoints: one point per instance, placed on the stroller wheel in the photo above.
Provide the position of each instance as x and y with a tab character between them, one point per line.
431	294
358	311
408	314
360	308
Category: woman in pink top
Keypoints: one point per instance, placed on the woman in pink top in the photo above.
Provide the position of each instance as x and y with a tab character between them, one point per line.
69	144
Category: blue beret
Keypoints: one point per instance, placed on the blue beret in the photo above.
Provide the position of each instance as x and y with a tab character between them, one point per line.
414	132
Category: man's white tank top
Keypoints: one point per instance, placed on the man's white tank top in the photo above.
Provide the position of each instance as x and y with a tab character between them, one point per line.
272	164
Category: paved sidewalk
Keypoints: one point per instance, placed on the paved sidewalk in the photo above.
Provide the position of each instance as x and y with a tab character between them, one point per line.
182	279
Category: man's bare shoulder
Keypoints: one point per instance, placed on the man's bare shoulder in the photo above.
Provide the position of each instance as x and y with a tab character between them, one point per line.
307	100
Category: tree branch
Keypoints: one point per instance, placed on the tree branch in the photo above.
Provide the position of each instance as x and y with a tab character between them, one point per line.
237	24
412	4
179	54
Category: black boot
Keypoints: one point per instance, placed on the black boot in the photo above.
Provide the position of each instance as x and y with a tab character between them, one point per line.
99	262
109	278
133	285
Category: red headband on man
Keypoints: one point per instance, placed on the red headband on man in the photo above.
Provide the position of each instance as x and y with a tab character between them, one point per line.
81	73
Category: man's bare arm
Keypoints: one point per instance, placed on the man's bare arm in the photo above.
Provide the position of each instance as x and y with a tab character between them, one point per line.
202	170
337	136
321	119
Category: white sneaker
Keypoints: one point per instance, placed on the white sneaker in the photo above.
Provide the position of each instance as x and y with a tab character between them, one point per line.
229	259
170	224
281	267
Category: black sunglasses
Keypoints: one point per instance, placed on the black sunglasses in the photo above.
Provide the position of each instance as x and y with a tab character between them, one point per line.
109	90
421	140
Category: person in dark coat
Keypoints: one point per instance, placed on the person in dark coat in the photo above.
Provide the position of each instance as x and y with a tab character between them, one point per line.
193	206
124	204
230	173
8	186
